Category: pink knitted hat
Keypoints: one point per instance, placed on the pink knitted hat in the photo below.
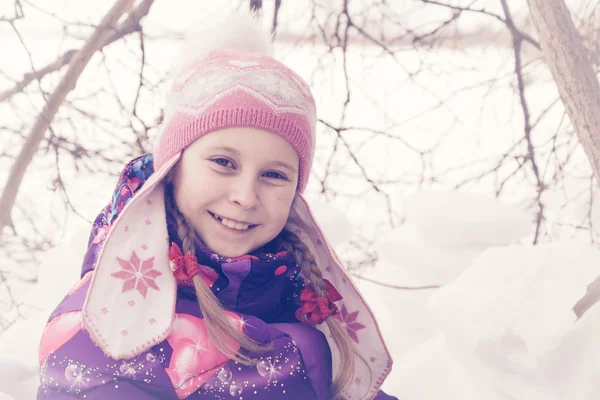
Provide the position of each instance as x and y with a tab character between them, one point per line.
231	88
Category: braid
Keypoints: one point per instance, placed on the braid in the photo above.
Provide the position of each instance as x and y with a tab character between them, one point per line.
222	332
305	260
313	276
185	232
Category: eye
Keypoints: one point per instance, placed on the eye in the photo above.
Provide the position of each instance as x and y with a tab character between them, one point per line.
275	175
223	162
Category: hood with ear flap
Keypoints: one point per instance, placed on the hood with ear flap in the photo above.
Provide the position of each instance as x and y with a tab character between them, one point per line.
138	241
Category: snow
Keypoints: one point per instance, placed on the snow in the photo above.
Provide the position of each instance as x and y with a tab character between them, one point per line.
535	314
336	227
507	316
576	363
19	344
500	327
408	259
465	220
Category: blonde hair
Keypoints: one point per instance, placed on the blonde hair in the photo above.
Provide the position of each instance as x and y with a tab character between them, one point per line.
312	275
223	332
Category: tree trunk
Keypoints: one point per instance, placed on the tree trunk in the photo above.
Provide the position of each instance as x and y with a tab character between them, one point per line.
572	70
578	86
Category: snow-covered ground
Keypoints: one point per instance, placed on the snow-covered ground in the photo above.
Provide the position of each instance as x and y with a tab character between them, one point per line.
500	327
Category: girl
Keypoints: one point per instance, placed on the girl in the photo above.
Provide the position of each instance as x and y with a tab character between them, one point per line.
206	276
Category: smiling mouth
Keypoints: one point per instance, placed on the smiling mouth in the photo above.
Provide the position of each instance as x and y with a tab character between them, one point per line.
232	224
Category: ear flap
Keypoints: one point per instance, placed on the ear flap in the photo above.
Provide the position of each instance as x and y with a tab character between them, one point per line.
130	305
373	360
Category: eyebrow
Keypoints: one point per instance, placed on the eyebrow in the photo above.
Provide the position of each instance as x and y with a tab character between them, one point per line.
275	163
285	165
226	148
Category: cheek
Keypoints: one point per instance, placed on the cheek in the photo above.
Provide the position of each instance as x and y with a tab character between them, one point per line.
286	198
190	190
282	202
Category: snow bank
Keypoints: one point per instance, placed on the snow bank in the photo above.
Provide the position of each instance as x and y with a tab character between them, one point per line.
429	371
401	315
416	262
574	365
502	326
510	314
58	272
465	220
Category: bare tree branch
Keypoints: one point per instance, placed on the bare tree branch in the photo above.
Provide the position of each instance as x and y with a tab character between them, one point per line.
388	285
130	25
18	13
255	5
518	38
508	21
57	64
67	83
275	16
364	173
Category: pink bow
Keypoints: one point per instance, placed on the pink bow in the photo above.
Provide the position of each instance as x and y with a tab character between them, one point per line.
185	267
315	310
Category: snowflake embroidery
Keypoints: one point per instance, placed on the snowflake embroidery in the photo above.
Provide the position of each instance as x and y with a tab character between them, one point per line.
349	319
138	275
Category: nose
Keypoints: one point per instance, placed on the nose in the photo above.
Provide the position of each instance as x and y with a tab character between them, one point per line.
243	193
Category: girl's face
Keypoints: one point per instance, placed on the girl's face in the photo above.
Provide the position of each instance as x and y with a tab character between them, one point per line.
236	187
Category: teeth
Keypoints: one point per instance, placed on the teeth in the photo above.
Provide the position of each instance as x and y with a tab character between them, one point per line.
232	224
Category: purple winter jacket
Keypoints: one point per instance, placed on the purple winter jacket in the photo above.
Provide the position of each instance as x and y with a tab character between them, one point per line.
262	288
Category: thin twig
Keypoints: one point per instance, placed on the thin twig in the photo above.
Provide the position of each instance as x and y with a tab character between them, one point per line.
388	285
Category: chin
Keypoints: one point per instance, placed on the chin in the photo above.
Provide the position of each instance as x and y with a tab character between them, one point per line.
230	252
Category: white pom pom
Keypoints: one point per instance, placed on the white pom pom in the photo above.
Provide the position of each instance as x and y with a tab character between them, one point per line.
239	31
